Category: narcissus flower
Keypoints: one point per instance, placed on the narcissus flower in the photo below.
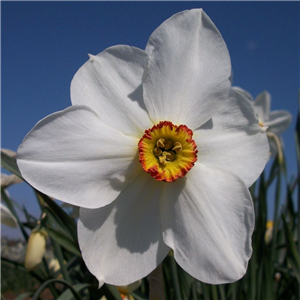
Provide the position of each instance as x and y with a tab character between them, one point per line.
159	152
274	122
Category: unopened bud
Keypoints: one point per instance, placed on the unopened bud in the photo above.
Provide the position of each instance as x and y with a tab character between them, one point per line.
36	249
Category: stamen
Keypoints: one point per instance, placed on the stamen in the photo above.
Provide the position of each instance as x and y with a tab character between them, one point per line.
177	147
168	145
161	143
157	151
170	156
162	160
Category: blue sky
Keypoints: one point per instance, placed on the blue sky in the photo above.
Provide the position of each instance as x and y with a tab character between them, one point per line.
45	43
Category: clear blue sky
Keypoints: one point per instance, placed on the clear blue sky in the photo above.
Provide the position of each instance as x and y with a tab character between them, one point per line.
45	43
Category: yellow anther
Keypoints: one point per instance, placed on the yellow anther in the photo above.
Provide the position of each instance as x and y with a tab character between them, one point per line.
170	156
157	151
168	144
162	159
177	147
160	143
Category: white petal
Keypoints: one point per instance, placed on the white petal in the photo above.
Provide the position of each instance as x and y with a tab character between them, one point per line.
279	121
233	141
111	84
72	156
274	144
209	225
244	92
8	180
262	106
7	218
188	72
122	242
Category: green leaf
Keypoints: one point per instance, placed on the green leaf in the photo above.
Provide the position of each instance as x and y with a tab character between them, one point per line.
67	294
51	281
293	255
174	276
63	240
15	265
137	296
111	292
221	292
10	164
23	296
186	282
273	171
61	214
60	257
56	223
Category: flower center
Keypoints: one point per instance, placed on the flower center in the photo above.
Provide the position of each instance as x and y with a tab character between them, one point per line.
167	151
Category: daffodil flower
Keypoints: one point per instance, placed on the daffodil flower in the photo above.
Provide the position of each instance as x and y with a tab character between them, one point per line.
159	152
274	122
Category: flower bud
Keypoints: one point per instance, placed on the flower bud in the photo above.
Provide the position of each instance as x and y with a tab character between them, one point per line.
36	249
269	232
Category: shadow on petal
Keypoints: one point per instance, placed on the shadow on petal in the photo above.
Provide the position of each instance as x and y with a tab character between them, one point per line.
134	168
137	96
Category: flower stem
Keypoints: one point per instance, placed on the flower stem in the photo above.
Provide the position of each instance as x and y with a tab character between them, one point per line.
278	144
156	282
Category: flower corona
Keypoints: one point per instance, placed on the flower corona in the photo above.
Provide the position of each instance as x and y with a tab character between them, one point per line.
167	151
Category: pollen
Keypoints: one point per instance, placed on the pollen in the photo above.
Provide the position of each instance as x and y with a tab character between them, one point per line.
167	151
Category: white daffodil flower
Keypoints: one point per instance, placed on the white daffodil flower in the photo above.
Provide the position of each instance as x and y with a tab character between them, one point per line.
274	122
7	218
159	152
